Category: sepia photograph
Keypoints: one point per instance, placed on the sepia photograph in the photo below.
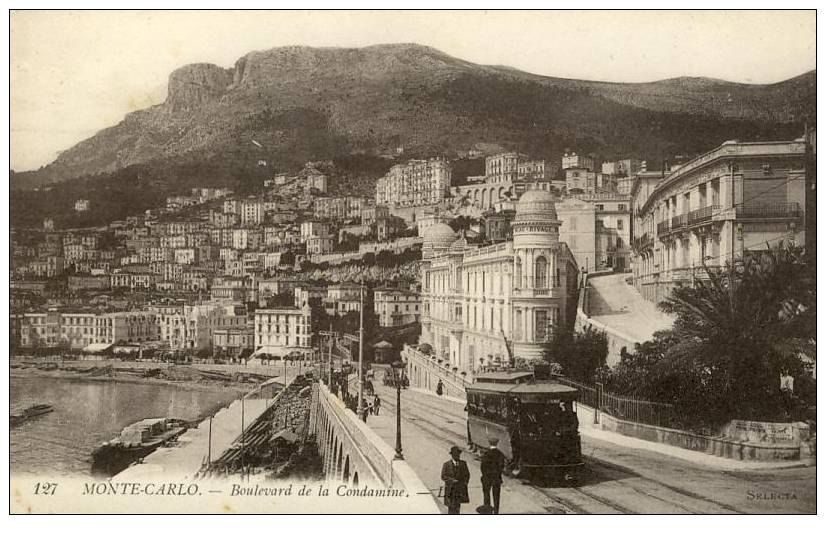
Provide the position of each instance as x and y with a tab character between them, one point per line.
412	262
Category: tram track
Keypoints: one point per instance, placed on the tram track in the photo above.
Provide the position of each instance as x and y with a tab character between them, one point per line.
622	480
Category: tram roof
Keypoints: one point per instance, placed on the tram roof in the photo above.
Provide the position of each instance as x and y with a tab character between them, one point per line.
504	376
524	389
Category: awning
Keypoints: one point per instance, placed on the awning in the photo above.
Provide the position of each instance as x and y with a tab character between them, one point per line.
289	353
96	347
126	349
278	352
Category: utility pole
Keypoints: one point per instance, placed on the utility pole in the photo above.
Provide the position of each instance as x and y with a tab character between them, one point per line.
360	410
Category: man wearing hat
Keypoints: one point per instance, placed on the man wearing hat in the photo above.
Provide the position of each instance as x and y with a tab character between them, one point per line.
492	465
456	476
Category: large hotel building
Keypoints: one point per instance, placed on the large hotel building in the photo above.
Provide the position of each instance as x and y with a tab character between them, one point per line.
474	300
737	198
418	182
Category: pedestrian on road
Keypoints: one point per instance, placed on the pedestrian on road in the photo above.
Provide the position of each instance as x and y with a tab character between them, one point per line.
376	404
440	388
456	476
492	465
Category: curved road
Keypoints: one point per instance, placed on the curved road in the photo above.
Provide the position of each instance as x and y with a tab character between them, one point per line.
615	303
616	479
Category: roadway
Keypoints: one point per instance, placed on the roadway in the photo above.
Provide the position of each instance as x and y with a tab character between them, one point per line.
616	479
615	303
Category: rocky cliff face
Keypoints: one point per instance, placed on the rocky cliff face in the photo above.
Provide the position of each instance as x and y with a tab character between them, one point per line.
193	85
303	103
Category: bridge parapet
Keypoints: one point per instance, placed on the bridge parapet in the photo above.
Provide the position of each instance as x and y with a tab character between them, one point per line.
425	372
355	455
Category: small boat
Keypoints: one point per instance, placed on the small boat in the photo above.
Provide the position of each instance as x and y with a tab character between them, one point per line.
31	412
135	442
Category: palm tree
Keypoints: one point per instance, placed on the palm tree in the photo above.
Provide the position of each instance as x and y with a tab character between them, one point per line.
746	325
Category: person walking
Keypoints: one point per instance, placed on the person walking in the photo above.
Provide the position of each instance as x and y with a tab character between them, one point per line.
456	476
492	465
376	404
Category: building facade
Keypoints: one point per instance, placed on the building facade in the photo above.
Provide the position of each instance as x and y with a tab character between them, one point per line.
415	183
281	330
395	307
482	303
720	206
339	208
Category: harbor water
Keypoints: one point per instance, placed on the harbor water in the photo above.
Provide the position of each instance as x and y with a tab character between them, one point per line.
87	413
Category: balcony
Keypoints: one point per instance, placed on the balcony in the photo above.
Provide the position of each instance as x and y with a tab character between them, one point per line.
678	222
702	215
663	228
772	210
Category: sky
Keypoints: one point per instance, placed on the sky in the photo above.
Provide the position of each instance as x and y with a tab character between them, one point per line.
75	73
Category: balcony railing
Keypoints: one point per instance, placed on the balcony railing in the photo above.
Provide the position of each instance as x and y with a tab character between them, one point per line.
772	210
702	215
663	228
643	241
679	221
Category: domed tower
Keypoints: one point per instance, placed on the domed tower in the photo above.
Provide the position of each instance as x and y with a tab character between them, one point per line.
536	223
535	277
436	242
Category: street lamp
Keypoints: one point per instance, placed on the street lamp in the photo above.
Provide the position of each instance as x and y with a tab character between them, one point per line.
398	368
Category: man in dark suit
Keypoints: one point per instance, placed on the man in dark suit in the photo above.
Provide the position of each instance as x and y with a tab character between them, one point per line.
455	475
492	465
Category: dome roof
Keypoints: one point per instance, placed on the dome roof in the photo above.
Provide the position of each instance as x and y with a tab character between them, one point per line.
439	233
536	204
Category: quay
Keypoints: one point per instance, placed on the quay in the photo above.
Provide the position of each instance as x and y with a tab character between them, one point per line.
185	459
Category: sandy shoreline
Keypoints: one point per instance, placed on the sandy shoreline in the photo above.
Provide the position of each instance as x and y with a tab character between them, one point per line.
33	372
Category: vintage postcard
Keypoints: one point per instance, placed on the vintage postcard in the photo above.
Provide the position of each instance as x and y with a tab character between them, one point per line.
413	262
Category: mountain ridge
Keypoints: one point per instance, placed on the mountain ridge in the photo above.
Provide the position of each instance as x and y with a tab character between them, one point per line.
303	103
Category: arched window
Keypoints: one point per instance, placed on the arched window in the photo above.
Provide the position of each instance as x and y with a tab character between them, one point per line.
541	271
517	280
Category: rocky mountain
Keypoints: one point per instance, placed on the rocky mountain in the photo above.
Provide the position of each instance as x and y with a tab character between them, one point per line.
292	104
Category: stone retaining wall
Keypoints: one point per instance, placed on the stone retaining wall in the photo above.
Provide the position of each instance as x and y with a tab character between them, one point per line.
714	445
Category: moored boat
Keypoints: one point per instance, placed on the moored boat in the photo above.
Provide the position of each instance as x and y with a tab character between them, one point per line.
31	412
135	442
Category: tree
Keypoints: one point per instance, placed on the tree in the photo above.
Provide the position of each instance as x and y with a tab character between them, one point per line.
579	354
736	333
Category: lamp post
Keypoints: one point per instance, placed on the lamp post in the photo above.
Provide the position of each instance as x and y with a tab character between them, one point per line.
360	409
398	368
330	357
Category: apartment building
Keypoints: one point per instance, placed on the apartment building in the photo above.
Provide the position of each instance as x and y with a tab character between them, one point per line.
395	307
415	183
722	205
279	331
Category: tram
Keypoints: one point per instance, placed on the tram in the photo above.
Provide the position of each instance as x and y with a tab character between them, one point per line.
534	418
